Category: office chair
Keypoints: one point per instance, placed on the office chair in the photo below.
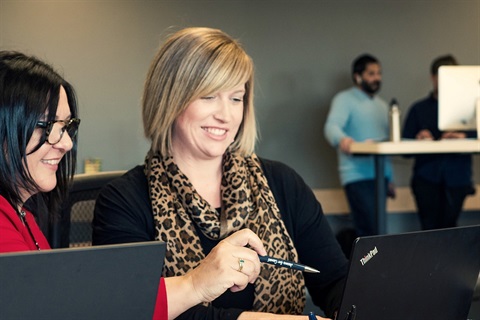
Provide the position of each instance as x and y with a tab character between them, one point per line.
74	227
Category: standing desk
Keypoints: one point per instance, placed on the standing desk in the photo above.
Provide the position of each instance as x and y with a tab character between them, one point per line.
382	149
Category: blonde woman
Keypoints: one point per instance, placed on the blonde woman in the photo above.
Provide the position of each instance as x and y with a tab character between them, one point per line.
202	181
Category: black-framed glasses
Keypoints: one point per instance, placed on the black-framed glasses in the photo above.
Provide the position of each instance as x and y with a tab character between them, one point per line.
54	129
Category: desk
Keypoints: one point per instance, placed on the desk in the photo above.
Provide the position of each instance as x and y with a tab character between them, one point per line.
381	149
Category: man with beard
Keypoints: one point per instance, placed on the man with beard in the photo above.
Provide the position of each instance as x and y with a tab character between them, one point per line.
358	114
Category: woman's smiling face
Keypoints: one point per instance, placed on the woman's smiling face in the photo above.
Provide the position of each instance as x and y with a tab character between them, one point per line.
43	163
209	124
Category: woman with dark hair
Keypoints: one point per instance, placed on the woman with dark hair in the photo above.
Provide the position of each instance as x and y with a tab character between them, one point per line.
38	127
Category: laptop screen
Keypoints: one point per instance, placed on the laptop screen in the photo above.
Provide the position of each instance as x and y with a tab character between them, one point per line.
101	282
417	275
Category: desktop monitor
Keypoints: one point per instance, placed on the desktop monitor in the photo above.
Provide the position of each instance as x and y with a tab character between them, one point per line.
458	98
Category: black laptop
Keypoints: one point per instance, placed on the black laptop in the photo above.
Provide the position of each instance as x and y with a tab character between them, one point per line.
417	275
101	282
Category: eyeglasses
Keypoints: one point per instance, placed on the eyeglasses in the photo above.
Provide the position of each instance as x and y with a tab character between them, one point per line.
54	129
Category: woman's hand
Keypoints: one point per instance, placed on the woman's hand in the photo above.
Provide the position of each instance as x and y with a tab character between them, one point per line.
228	266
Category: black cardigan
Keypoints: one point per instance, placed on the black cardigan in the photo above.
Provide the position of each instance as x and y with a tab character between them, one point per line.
123	213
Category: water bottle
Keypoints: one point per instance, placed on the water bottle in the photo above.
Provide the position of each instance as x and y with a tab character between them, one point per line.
394	121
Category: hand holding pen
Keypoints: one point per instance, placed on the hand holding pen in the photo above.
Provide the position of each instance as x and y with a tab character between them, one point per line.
221	269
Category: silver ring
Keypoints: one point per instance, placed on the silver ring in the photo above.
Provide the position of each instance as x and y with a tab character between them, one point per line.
240	264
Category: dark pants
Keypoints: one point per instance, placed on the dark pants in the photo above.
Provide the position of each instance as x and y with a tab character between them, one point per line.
361	199
438	206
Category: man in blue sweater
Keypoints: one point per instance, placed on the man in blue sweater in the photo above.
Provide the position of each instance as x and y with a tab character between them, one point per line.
440	182
359	114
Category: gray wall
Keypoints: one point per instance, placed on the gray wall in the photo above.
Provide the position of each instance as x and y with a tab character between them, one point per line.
302	51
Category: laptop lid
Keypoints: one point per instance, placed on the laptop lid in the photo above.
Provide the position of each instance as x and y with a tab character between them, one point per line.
101	282
417	275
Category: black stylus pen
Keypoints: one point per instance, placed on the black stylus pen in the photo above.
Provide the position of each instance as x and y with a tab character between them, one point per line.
287	264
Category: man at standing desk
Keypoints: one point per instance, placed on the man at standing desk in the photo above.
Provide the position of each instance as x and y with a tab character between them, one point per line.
440	182
359	114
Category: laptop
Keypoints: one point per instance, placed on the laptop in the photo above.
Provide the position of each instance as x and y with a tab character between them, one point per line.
416	275
100	282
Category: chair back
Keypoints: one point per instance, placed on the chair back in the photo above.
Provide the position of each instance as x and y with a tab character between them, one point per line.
74	227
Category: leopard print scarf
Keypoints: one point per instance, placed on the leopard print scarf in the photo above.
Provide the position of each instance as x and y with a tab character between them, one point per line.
247	202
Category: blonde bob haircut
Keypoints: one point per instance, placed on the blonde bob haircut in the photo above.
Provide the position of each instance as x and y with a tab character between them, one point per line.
192	63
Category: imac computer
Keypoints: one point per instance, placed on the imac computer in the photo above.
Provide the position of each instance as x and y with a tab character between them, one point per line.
459	98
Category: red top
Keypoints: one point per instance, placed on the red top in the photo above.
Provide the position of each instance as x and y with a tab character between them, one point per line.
161	306
14	236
